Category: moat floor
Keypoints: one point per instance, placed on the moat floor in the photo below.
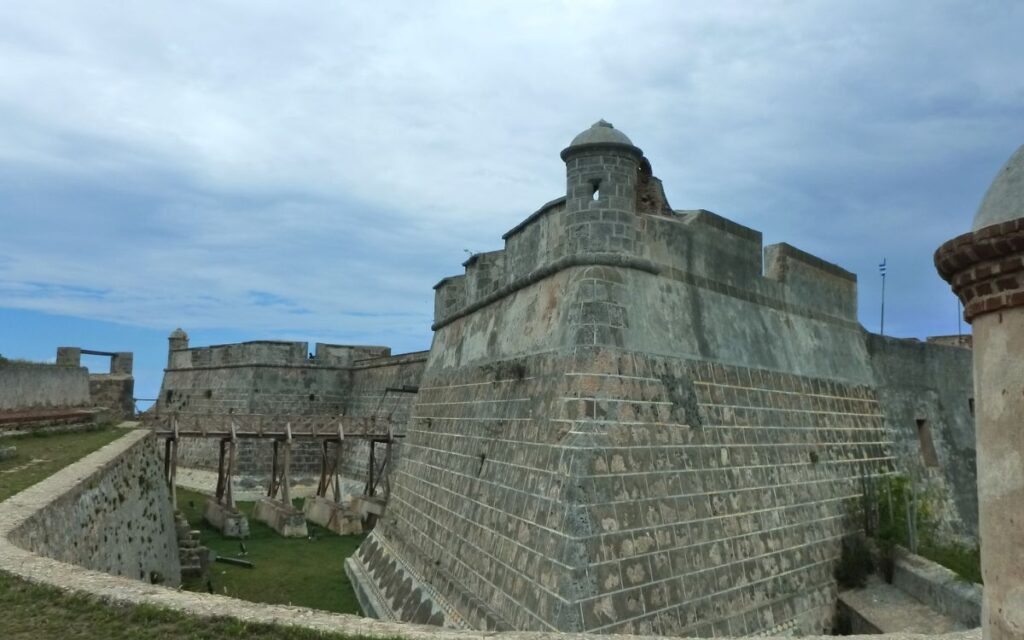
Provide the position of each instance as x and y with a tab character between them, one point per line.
307	572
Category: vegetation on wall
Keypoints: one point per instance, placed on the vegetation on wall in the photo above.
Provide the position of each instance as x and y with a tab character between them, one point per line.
898	512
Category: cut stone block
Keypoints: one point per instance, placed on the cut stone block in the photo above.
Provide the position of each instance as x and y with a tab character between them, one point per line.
369	510
282	518
332	515
232	523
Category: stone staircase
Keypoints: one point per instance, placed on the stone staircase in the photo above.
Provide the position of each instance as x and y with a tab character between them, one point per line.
195	558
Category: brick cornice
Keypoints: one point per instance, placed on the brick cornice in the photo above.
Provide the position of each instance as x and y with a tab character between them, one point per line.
985	267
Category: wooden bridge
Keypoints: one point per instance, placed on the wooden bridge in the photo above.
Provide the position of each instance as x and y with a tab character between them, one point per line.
282	431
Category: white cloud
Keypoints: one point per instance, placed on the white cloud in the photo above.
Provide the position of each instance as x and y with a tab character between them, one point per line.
341	157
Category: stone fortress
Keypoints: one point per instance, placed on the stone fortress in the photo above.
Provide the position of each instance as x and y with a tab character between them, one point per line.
632	419
635	419
272	382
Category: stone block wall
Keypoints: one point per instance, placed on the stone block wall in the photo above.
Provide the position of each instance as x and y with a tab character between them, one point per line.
116	392
613	492
654	425
42	386
116	519
249	389
372	386
927	395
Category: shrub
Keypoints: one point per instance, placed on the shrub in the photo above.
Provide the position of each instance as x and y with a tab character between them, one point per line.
855	564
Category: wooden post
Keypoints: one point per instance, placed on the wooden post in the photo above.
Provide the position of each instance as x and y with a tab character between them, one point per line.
221	470
232	460
272	489
167	460
337	461
286	480
174	467
321	487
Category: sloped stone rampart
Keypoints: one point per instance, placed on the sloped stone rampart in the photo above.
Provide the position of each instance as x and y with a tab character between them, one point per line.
660	495
50	493
115	516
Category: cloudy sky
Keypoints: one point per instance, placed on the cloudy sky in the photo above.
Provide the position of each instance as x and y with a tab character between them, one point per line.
308	170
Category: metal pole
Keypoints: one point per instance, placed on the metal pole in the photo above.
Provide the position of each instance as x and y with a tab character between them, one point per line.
882	331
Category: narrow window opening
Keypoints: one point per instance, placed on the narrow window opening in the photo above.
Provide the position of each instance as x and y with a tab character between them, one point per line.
924	437
170	394
483	459
970	405
209	393
597	190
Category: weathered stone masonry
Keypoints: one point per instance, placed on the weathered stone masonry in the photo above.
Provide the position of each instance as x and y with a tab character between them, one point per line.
116	518
986	270
269	382
626	425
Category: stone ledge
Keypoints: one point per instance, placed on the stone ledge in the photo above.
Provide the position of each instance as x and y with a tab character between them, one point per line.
66	577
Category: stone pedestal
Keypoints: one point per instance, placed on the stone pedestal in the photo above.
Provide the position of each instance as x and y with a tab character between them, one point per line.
332	515
232	523
282	518
369	509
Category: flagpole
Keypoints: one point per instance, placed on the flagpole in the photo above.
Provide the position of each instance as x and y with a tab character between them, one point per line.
881	268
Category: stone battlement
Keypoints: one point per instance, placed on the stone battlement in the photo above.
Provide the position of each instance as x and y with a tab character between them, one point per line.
635	229
272	353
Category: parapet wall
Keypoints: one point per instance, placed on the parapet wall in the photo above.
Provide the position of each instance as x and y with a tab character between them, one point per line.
697	247
113	515
32	386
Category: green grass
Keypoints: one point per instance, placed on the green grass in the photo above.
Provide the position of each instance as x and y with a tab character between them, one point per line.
307	572
33	612
964	561
40	456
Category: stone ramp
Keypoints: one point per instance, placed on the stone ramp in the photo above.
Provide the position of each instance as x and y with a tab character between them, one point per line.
882	608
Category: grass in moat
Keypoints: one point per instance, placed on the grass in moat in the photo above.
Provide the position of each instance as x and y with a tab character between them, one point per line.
307	572
40	456
34	612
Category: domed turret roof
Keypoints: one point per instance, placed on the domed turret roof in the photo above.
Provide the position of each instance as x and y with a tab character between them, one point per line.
1004	200
178	333
601	132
